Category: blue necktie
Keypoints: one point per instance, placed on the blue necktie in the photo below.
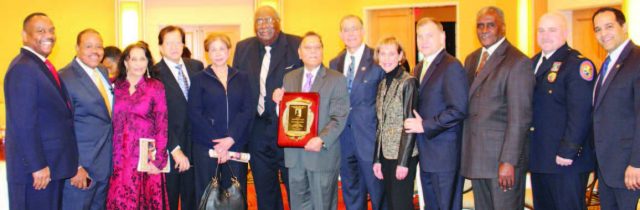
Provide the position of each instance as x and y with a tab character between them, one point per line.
350	72
182	82
603	72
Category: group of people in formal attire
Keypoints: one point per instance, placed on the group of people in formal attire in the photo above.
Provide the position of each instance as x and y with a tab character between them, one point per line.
72	138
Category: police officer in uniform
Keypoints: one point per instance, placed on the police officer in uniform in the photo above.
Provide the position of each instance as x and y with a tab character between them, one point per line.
561	155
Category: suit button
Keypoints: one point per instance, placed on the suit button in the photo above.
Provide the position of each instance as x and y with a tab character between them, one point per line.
550	91
532	128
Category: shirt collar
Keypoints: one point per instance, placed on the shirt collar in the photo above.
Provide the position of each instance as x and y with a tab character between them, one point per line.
358	52
547	56
34	52
313	71
171	64
613	56
429	59
493	47
84	66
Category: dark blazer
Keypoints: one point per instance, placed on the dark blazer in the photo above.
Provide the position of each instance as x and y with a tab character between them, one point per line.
562	114
177	104
362	118
333	108
500	99
92	121
616	118
442	104
39	122
215	114
397	98
284	58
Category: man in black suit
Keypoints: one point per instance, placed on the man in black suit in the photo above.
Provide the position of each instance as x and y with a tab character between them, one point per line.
616	115
443	94
266	58
175	73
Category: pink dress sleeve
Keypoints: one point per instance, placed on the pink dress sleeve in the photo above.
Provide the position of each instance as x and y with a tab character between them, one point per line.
159	115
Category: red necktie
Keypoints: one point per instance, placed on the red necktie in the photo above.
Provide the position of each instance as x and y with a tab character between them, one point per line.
53	71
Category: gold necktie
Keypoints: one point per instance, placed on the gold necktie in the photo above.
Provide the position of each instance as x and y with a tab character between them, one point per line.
98	81
423	72
483	60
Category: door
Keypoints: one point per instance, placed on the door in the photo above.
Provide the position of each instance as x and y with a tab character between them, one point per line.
393	22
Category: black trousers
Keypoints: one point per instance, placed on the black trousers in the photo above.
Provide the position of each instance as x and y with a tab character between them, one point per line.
398	194
559	191
181	188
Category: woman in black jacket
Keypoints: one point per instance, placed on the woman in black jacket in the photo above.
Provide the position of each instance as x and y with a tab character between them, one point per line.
396	156
219	115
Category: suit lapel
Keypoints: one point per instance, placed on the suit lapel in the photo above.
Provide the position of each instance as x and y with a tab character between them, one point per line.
362	69
546	66
432	68
340	64
278	54
88	84
613	71
43	67
171	81
490	66
319	80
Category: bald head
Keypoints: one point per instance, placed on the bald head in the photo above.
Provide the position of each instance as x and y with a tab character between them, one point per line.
266	24
552	32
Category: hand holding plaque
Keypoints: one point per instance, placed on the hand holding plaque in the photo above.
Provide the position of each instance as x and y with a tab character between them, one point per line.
298	120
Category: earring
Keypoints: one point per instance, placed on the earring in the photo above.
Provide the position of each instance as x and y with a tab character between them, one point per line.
148	75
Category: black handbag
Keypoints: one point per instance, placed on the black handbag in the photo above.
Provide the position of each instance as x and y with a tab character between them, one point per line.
215	198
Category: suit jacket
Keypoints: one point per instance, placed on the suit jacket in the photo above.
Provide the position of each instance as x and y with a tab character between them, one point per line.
284	58
562	113
362	117
442	104
500	99
333	108
39	122
179	128
92	121
616	118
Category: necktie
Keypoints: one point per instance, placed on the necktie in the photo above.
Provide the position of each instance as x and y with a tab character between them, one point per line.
483	60
603	73
264	70
53	71
308	82
544	59
182	81
424	70
350	72
98	81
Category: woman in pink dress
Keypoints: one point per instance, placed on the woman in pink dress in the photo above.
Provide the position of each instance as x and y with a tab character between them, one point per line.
140	111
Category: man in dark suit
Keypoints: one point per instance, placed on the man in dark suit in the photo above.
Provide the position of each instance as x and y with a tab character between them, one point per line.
41	149
561	156
313	170
175	73
266	58
91	98
495	142
443	95
355	62
616	113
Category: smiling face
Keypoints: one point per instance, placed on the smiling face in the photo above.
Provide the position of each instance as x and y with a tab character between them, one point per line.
389	57
430	38
90	50
490	29
552	32
218	53
39	35
311	52
609	33
351	33
266	25
136	63
172	46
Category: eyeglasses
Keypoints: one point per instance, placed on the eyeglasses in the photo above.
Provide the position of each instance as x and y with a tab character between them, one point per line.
267	20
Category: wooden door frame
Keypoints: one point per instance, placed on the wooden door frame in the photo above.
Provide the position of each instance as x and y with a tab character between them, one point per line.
366	11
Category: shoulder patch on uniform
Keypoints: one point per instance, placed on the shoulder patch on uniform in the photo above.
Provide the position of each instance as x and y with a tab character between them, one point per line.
586	70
